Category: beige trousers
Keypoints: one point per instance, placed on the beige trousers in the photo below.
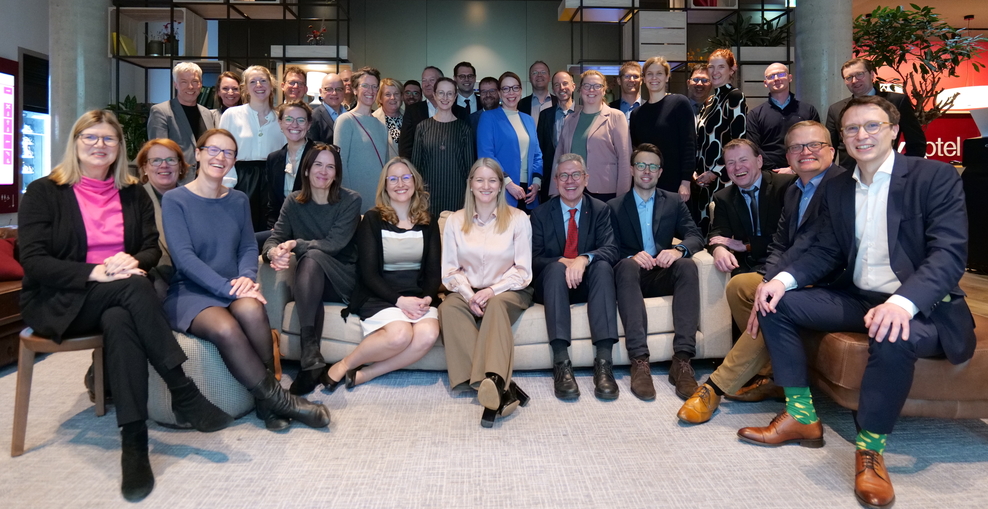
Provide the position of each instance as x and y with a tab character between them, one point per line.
749	356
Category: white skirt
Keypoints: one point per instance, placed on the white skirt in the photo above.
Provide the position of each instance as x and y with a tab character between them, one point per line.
392	314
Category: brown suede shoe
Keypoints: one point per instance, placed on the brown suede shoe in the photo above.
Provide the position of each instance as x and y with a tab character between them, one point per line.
761	389
784	429
682	376
872	485
641	378
700	407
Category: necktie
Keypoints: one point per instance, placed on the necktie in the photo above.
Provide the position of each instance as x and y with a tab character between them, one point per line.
753	209
467	103
572	235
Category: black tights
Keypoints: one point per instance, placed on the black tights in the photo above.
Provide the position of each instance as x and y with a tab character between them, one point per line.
242	335
312	288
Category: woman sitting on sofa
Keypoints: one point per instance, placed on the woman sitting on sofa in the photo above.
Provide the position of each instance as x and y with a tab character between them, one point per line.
161	167
397	293
487	266
213	294
317	224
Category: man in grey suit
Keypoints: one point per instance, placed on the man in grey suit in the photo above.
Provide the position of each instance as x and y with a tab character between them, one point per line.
324	115
182	119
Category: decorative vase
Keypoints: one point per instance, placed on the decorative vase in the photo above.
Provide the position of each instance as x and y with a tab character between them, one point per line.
171	48
155	48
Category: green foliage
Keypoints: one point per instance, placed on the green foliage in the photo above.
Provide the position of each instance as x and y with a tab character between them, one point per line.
742	31
920	48
133	118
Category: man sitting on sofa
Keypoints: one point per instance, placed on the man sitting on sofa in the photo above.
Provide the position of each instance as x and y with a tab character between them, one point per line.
645	221
899	226
573	250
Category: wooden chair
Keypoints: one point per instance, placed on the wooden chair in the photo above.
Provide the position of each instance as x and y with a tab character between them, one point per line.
30	345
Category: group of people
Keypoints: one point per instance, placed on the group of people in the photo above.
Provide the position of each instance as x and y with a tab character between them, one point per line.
877	245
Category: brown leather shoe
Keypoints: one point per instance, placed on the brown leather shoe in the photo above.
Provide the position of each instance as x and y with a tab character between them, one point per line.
761	389
784	429
641	378
700	407
872	485
682	376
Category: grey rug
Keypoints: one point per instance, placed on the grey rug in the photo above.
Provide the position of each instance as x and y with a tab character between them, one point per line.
404	441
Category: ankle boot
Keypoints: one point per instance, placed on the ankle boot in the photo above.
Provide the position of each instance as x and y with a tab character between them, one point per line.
271	397
311	355
138	479
491	391
191	407
306	381
271	421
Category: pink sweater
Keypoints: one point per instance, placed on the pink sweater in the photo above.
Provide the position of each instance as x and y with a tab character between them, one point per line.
99	202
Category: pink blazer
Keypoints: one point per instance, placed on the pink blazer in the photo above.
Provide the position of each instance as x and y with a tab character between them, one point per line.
608	151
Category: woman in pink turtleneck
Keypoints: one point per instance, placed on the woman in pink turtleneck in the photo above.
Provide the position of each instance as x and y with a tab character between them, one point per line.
87	239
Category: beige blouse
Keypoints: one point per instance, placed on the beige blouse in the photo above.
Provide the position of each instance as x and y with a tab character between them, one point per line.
484	258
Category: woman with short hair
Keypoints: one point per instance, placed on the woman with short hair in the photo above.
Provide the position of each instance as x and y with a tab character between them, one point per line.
391	112
363	139
443	151
162	167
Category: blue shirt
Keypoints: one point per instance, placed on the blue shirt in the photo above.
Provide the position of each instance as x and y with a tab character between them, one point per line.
332	113
808	190
627	108
561	115
747	200
646	210
566	208
781	106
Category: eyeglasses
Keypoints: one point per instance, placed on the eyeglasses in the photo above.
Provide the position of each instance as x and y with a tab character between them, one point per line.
513	88
592	87
777	76
869	127
412	93
444	95
92	139
294	120
856	76
632	77
566	177
540	73
648	167
699	81
215	151
490	91
338	90
813	146
158	161
406	178
368	86
294	84
465	76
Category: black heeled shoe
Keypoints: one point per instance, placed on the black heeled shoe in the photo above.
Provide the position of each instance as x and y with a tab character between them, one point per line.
351	377
491	391
327	381
522	396
511	399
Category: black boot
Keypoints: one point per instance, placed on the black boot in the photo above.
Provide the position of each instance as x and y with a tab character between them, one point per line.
191	407
138	479
271	397
271	421
311	356
306	381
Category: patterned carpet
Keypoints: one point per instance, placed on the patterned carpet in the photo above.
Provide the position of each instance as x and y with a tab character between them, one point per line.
403	441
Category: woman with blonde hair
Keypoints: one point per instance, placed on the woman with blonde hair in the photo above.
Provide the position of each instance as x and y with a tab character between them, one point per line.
391	112
487	266
87	238
399	278
257	132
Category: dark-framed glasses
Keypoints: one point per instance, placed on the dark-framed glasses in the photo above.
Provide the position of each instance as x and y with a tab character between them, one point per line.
592	87
158	161
855	76
576	176
465	76
869	127
699	81
813	146
294	120
92	139
215	151
648	167
512	88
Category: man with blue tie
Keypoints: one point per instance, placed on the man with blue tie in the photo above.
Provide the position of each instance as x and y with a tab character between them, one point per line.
645	221
897	225
573	250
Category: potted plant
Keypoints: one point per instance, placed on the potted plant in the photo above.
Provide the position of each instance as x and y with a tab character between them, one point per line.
133	117
315	37
155	46
754	41
921	50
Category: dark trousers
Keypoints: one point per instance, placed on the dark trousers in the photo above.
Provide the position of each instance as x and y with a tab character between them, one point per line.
596	289
681	280
135	332
888	375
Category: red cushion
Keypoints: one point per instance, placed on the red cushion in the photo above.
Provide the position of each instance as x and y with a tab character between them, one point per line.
10	270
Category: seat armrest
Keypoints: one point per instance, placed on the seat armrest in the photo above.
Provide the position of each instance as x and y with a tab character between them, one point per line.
715	314
276	287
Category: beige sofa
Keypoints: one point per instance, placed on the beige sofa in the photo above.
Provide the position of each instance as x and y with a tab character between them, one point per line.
340	337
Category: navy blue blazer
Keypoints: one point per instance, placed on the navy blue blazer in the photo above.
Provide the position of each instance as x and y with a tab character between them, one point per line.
275	168
927	231
732	218
323	125
788	230
596	234
670	218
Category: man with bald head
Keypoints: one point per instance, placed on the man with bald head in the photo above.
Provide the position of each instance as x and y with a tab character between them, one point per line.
325	114
768	123
349	98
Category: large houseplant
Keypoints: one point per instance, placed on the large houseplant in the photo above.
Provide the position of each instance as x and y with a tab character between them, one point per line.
921	50
133	117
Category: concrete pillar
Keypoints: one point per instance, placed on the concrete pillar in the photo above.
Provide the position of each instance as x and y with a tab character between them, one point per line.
78	63
823	43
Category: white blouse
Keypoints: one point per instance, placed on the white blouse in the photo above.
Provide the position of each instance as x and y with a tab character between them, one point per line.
254	142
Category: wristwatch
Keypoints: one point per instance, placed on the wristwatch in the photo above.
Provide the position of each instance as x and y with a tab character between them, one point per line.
682	249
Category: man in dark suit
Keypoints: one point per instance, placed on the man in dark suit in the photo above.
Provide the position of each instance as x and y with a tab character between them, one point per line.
540	98
489	99
859	77
630	81
550	122
415	113
645	221
465	75
744	374
746	214
183	119
324	115
573	250
898	226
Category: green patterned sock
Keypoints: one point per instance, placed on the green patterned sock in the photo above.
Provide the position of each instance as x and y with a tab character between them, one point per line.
871	441
799	404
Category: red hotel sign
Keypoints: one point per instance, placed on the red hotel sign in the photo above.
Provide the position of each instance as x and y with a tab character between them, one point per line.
945	136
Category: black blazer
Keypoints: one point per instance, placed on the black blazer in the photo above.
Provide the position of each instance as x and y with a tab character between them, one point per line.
275	168
909	128
733	220
53	249
370	263
596	234
545	131
670	218
927	231
787	231
322	124
417	113
525	104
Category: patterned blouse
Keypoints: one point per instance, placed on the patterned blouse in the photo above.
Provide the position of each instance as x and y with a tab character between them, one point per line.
394	127
722	119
